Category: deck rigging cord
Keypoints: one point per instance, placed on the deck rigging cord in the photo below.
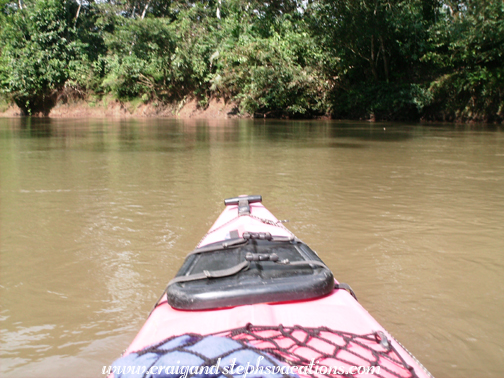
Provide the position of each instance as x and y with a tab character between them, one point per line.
316	352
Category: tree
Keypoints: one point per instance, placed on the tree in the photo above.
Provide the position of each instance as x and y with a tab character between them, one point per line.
40	53
467	54
281	74
139	56
379	44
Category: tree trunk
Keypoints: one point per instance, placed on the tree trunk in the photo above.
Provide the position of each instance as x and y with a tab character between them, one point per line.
20	4
454	9
385	60
77	14
145	9
218	9
372	61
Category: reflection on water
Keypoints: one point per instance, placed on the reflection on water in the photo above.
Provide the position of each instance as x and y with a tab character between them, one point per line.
97	215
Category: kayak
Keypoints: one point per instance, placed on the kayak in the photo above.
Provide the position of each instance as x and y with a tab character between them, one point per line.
254	300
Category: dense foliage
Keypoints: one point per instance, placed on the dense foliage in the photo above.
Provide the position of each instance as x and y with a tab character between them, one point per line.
384	59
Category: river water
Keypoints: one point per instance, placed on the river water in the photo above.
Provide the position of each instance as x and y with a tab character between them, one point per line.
97	215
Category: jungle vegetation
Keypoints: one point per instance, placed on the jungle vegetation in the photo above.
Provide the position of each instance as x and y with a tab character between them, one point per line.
383	59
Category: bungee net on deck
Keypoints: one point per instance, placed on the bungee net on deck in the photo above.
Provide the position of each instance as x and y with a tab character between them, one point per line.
331	351
316	352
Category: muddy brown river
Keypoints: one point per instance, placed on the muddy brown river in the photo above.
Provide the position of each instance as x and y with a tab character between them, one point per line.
96	217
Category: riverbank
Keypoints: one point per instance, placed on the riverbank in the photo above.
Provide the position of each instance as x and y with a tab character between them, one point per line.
215	108
190	108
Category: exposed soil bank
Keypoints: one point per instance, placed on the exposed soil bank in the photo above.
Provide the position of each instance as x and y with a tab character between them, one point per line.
216	109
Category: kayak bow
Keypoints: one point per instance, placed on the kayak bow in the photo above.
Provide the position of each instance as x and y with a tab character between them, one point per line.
252	283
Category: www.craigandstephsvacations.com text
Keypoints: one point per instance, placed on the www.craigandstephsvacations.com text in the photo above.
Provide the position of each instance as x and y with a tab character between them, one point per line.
242	370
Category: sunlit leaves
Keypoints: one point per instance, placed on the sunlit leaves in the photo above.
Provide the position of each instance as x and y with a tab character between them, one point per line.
393	59
467	52
40	45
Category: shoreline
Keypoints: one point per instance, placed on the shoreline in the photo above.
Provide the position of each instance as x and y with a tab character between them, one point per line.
186	109
189	108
